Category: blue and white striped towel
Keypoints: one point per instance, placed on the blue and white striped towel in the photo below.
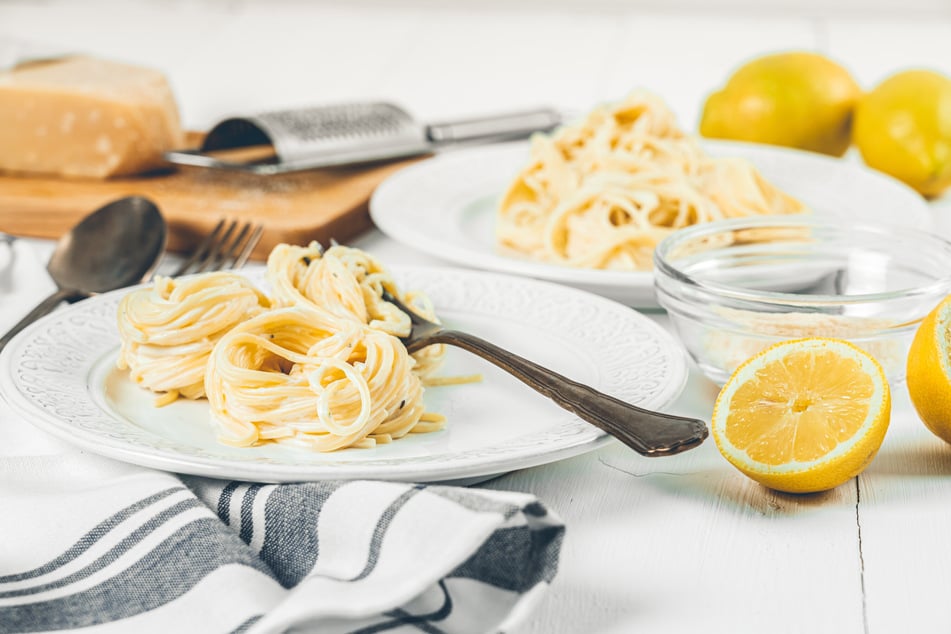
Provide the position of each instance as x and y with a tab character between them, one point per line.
91	544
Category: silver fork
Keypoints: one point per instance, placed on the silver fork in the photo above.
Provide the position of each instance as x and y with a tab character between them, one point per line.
646	432
223	248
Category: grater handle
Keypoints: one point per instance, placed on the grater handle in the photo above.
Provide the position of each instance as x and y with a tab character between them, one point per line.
508	126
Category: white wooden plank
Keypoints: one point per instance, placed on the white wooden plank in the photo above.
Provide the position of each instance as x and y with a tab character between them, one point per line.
904	514
873	49
906	493
922	9
668	545
168	37
472	62
269	58
688	544
684	58
148	33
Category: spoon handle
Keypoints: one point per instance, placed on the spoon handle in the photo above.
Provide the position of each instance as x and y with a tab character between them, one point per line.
649	433
43	308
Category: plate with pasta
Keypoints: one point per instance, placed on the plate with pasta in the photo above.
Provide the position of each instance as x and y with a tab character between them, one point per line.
587	204
295	372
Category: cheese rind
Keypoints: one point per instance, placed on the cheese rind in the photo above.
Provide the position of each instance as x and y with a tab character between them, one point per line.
86	117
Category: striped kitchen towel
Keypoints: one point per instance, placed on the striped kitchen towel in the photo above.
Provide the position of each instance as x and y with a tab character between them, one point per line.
92	544
96	545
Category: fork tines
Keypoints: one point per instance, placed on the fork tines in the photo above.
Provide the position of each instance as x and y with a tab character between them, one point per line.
229	245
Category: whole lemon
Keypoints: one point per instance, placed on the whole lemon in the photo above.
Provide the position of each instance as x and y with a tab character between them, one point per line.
929	370
903	128
796	99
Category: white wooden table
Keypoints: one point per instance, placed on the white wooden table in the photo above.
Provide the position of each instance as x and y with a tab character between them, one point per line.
680	544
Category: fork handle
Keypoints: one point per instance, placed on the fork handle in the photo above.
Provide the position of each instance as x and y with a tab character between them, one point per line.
646	432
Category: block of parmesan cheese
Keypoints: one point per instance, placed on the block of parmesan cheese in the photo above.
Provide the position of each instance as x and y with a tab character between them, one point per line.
86	117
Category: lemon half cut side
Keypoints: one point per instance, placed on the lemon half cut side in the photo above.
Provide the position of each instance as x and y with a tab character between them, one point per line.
804	415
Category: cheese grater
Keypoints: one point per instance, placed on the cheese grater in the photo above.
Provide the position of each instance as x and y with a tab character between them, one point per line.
345	134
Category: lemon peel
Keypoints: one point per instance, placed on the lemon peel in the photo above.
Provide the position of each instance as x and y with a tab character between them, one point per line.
903	128
794	99
929	371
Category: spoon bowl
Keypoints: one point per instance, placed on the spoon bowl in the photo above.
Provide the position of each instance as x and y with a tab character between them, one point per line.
115	246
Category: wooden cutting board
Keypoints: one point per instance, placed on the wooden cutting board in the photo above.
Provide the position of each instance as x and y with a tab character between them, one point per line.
294	208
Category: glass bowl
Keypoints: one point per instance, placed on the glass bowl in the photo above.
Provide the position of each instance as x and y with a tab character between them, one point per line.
734	287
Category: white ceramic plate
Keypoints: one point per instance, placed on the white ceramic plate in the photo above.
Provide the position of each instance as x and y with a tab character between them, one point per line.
445	206
60	374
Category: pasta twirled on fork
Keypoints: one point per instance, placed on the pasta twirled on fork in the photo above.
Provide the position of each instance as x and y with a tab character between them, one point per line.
349	282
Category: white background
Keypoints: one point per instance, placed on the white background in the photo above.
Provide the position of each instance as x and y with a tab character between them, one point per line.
683	544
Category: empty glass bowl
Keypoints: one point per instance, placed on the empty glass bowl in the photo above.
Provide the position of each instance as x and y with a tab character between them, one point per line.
734	287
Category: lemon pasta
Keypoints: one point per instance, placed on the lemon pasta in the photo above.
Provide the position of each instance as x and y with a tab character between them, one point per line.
603	192
316	363
312	379
349	282
168	329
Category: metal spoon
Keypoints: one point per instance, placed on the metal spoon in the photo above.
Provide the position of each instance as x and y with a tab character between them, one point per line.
115	246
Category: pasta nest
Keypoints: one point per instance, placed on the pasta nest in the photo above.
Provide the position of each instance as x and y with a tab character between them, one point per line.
311	379
603	192
168	329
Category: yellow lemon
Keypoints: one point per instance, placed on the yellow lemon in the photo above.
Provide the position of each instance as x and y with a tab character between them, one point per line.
903	128
796	99
929	371
803	415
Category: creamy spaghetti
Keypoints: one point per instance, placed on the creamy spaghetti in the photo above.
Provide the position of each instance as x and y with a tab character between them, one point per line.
168	329
349	282
316	364
312	379
603	192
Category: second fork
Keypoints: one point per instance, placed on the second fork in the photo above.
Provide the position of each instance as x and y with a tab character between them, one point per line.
228	245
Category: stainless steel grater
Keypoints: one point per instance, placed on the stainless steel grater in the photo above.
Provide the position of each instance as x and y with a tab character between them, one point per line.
345	134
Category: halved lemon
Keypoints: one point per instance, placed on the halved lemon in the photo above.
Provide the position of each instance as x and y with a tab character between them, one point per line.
929	371
804	415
